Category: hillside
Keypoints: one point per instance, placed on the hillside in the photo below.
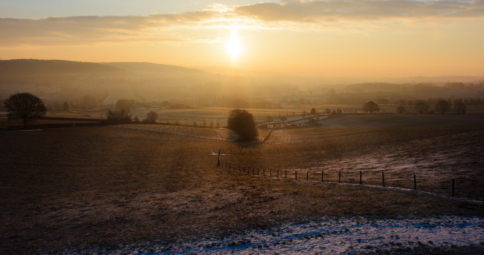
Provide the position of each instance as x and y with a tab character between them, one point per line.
159	69
55	67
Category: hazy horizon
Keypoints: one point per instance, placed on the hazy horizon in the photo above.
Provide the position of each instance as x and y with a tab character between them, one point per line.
367	39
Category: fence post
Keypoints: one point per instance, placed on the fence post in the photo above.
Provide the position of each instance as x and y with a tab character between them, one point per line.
307	176
361	177
296	175
383	178
258	171
286	174
270	172
264	172
339	177
453	187
218	159
277	174
322	176
415	182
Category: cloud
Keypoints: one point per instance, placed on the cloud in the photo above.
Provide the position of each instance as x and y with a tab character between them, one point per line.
167	27
355	10
94	29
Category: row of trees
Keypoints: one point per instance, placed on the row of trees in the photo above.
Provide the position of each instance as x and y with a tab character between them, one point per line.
123	116
422	106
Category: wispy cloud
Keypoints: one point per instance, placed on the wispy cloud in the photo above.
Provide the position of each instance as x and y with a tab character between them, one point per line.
157	27
332	10
91	29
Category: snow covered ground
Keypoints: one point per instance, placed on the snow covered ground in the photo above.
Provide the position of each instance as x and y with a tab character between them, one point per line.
336	236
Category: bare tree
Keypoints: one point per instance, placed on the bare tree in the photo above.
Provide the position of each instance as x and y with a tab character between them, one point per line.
371	107
24	106
421	106
120	116
442	106
460	108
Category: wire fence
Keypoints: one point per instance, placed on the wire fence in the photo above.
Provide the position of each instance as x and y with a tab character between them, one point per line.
465	187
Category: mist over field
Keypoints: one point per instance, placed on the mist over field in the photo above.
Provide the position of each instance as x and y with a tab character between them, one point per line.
241	127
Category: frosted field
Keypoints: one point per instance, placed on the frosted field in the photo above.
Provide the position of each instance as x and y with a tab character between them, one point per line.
332	236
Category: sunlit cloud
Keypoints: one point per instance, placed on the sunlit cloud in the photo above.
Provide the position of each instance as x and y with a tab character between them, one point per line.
268	15
328	11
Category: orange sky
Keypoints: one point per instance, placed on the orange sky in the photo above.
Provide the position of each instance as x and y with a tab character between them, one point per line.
349	39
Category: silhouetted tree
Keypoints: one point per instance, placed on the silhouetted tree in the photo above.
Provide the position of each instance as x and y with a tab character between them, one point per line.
125	104
120	116
371	107
460	108
327	111
400	109
442	106
136	120
242	122
421	106
24	106
339	111
65	106
151	117
313	111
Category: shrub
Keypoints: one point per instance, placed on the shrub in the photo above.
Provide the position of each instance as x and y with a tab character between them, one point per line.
371	107
24	106
151	117
242	122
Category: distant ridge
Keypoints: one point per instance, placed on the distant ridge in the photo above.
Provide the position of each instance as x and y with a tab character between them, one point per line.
146	67
55	67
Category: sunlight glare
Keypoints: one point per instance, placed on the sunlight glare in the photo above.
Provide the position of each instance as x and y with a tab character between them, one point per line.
234	47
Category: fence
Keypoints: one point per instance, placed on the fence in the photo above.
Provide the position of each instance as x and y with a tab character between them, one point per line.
451	187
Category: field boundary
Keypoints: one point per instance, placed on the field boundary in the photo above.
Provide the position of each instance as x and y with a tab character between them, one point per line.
284	176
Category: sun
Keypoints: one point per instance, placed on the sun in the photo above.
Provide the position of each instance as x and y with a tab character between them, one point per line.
234	48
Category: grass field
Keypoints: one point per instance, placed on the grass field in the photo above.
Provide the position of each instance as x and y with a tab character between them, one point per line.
74	189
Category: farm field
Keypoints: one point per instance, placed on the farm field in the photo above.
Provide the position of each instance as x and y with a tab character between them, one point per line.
88	190
196	132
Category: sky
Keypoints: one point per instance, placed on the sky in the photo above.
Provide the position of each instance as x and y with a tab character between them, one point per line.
332	38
